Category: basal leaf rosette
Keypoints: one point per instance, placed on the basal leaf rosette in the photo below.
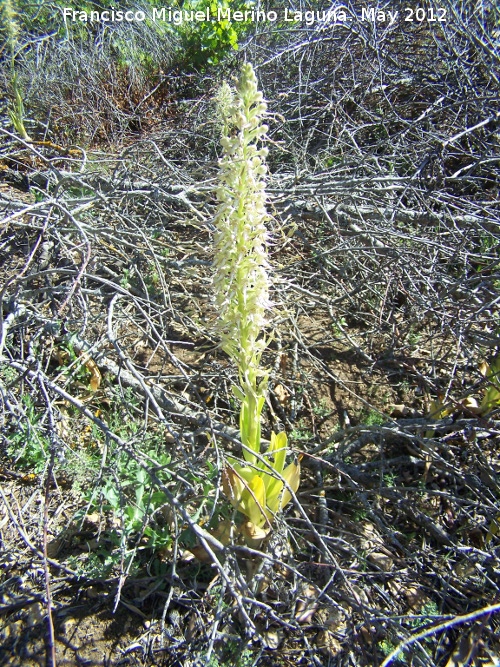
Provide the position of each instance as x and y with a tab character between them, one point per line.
261	491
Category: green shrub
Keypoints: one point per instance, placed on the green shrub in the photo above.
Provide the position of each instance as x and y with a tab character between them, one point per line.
209	42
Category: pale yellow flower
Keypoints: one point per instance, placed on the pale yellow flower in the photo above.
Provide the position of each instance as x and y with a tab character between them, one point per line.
241	281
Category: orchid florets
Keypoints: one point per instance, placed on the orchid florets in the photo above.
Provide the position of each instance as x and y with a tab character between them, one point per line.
241	281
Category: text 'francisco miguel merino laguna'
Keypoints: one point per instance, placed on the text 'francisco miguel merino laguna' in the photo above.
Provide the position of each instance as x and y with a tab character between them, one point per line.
179	16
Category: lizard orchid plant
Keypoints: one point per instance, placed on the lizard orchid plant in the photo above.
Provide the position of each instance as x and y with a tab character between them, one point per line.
260	486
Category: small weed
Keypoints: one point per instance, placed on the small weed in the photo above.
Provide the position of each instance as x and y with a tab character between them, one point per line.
125	279
405	387
390	479
97	565
321	409
71	365
154	278
28	446
7	374
360	515
132	497
387	647
338	326
373	418
414	337
427	612
488	243
232	656
329	160
301	432
80	191
121	416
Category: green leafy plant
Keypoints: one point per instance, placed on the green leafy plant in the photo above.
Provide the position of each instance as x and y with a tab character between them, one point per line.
387	647
427	613
207	42
259	487
131	496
